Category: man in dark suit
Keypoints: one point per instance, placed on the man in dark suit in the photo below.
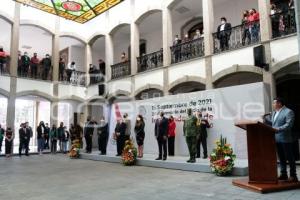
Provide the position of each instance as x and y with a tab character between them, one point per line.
282	120
223	34
203	125
161	134
24	135
88	132
120	134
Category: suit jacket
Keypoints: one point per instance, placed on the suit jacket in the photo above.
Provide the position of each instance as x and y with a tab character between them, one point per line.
284	123
89	128
24	134
227	30
121	128
128	127
161	127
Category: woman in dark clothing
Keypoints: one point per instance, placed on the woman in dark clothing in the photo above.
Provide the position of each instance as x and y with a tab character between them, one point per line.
8	142
102	132
53	139
139	130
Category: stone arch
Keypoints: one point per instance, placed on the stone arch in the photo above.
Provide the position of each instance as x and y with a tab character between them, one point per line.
146	14
95	37
152	90
173	3
4	93
72	98
189	24
73	35
186	79
119	93
280	65
35	93
37	24
236	69
6	17
118	27
147	87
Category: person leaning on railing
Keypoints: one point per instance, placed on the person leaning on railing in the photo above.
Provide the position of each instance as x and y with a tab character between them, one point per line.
245	28
254	24
223	34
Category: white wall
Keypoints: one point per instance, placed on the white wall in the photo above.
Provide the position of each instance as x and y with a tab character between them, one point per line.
154	40
33	85
77	54
5	36
35	40
142	80
190	68
284	48
68	91
124	84
8	6
5	83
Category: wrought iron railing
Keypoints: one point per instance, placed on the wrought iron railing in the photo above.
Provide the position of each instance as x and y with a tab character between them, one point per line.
237	37
150	61
78	78
283	23
120	70
187	50
96	77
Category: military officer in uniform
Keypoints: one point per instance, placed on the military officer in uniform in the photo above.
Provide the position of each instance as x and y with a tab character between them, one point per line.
191	135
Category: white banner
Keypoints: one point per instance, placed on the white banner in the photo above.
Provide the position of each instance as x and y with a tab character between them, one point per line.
222	106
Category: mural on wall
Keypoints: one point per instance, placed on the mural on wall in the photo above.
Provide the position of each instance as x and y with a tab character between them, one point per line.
79	11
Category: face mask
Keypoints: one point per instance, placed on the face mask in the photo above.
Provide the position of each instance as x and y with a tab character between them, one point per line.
138	119
223	22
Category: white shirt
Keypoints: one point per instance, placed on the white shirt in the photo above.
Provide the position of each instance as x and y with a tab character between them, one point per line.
276	114
71	67
222	27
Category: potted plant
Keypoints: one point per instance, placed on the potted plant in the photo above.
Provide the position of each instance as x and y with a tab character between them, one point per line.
75	149
222	158
129	154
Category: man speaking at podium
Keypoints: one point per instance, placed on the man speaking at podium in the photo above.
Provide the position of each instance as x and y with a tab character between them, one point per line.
282	120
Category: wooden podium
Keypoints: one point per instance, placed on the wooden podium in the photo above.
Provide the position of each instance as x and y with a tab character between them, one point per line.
262	160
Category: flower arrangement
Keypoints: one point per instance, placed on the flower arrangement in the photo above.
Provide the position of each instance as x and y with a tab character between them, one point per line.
129	154
222	158
75	149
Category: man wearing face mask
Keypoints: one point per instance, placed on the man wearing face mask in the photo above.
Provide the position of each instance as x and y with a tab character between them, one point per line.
191	134
161	134
128	127
25	60
202	126
223	34
102	132
46	63
177	48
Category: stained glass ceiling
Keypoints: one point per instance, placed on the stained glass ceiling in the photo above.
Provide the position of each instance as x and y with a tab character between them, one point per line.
79	11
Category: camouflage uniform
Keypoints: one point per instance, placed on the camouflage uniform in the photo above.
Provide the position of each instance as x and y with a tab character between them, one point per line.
191	133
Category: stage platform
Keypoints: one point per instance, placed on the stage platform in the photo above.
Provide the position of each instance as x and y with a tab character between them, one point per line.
175	163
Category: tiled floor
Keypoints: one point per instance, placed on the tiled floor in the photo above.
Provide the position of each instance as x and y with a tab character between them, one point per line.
50	177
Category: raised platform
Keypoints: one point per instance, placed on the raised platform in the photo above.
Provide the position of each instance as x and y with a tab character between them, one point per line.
266	188
175	163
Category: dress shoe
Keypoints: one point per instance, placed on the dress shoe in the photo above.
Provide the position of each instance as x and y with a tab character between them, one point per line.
204	157
164	159
158	158
118	155
193	161
283	177
293	179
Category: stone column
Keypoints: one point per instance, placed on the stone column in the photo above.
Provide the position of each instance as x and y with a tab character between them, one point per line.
55	50
109	50
55	64
167	43
134	40
208	24
10	118
264	8
88	61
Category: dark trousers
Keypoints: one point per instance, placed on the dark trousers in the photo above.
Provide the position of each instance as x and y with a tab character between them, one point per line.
224	42
24	70
102	143
24	144
202	141
46	73
8	147
61	75
120	144
162	147
53	146
89	143
171	146
285	153
1	141
46	143
33	71
1	68
246	35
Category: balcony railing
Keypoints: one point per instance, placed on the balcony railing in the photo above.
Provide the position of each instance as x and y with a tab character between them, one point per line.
150	61
78	78
35	72
237	37
283	23
188	50
96	77
120	70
